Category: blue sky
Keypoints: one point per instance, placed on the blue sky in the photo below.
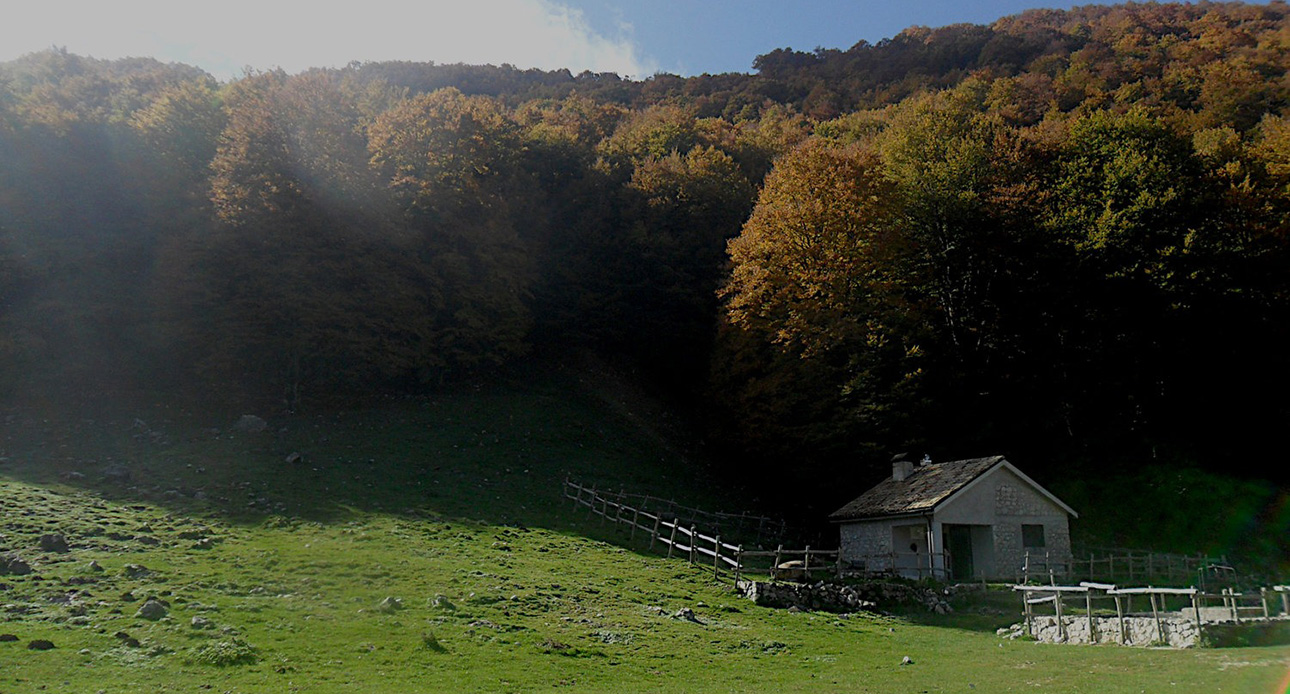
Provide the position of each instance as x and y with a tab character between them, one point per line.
633	38
692	37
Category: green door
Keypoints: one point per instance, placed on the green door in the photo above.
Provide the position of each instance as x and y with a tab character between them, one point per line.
958	541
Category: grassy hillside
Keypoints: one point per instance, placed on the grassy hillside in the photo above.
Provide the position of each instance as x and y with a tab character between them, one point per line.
423	546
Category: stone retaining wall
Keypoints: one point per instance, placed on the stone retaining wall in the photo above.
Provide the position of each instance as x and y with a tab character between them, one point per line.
1179	631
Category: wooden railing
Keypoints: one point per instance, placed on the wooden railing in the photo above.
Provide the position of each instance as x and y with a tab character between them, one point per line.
1236	606
1128	566
754	528
680	538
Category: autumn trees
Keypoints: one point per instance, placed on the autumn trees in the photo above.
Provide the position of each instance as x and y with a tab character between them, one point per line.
1063	232
932	273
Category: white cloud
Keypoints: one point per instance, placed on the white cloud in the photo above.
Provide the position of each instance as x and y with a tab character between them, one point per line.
223	37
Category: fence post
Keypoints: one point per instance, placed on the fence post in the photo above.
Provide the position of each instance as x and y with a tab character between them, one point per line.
1088	608
774	567
693	541
591	503
1263	600
1195	606
671	543
739	562
1061	626
716	558
1285	601
1026	609
1119	615
839	562
1155	612
636	515
654	533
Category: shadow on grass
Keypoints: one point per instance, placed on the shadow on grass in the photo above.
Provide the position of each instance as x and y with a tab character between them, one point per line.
496	453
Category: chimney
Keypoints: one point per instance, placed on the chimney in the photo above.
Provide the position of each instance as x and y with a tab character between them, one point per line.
901	467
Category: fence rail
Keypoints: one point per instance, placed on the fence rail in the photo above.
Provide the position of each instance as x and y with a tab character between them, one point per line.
678	536
682	538
1130	566
1235	606
757	529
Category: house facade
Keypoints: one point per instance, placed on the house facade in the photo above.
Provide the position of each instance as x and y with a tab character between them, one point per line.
961	520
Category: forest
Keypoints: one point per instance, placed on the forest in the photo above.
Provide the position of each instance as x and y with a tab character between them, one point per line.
1061	237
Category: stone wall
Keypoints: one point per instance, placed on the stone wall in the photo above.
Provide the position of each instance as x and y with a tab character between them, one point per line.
828	597
1179	630
864	539
833	597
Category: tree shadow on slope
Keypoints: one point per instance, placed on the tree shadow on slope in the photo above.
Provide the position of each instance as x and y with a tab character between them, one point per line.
497	453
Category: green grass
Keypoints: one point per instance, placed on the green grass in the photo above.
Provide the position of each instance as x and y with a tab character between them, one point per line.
424	547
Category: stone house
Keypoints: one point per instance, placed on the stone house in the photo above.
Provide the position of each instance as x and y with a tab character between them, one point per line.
965	519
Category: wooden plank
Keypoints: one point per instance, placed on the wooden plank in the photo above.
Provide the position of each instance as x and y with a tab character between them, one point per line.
1150	591
1051	589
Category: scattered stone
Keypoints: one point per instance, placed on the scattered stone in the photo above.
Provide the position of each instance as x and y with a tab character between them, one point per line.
390	605
7	638
116	473
687	614
906	661
204	543
136	571
442	603
71	476
295	457
13	565
95	567
39	645
152	610
250	424
202	623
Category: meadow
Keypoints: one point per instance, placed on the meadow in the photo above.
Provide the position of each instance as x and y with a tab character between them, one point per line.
422	545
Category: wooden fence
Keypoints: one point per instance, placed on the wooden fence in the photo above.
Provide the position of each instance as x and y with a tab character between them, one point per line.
1128	566
681	538
1236	606
756	529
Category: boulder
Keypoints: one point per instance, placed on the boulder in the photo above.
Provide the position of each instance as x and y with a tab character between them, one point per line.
152	610
250	424
390	605
13	565
53	542
136	571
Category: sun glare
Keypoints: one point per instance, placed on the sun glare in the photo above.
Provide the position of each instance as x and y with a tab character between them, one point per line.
227	37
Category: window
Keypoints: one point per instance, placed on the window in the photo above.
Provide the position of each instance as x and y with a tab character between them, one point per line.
1032	536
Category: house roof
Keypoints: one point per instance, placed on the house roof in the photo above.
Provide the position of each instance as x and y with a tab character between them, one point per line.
926	488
